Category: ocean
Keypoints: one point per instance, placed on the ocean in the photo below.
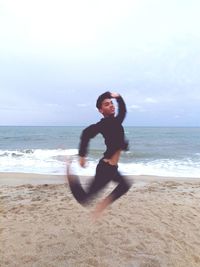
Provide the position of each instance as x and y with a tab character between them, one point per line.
160	151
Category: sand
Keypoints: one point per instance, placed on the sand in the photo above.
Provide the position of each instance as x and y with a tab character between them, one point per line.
157	223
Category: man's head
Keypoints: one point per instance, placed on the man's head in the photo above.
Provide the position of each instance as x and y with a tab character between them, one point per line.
105	104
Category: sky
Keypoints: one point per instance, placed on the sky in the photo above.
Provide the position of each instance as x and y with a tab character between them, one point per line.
58	56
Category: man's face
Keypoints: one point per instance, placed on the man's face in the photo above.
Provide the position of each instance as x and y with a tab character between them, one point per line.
107	107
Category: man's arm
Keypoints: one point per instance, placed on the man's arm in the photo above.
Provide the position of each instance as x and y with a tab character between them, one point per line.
121	106
87	134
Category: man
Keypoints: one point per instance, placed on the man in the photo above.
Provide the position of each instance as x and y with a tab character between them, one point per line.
107	169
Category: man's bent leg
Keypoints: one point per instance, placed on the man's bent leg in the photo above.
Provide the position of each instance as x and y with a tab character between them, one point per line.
122	187
100	180
120	190
76	188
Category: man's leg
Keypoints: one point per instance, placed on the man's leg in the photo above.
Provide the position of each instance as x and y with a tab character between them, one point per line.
122	187
75	186
100	180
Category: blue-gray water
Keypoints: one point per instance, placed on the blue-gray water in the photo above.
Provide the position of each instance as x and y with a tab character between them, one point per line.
153	151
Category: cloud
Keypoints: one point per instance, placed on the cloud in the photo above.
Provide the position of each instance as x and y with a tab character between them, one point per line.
136	107
83	105
150	100
177	116
58	56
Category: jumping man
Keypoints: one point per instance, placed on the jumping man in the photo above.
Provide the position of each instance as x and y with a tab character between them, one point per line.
107	169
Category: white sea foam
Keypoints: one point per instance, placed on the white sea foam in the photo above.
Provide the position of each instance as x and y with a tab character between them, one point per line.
171	168
53	161
35	161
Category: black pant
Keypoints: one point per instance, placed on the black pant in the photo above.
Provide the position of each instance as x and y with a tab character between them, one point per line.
104	174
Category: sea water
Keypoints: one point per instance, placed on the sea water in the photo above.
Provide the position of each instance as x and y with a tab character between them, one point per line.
152	150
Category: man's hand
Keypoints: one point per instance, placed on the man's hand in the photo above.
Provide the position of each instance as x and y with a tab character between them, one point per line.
114	95
82	162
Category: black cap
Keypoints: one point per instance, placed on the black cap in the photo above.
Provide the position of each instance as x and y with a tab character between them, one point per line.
101	98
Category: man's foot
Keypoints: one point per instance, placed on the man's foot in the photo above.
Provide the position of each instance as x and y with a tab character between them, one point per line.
97	213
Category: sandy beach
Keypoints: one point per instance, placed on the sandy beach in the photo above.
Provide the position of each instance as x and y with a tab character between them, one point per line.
155	224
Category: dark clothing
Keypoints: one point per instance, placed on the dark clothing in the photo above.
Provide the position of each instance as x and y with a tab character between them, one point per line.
112	131
104	174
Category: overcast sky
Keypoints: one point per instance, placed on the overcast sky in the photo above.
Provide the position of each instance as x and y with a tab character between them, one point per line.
57	56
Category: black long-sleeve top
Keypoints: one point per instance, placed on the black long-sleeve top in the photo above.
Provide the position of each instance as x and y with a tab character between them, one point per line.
112	130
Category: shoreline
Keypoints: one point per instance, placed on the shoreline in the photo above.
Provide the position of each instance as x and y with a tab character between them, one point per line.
17	178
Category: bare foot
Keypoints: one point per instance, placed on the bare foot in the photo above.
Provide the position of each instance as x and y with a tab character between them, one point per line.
97	213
